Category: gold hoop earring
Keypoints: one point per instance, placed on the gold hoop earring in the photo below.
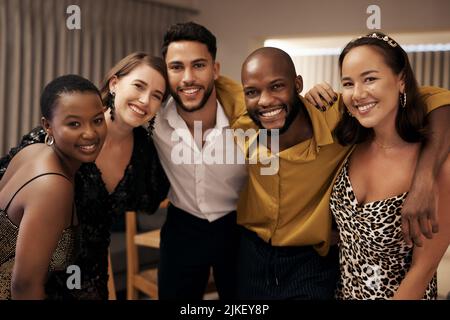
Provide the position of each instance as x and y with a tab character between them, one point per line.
49	140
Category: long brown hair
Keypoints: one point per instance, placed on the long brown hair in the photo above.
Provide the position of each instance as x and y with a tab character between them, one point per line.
126	65
410	120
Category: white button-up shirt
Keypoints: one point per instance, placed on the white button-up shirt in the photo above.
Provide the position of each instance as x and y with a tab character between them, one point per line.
205	181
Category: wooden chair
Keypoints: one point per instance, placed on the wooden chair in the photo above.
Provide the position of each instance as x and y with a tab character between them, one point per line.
145	281
111	285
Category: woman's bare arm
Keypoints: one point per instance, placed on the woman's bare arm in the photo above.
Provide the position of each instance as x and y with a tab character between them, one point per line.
47	204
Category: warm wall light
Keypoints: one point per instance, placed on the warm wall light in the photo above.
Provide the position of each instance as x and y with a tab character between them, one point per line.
427	47
316	58
333	45
295	50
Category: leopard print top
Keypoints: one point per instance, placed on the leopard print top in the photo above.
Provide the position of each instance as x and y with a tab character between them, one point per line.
373	256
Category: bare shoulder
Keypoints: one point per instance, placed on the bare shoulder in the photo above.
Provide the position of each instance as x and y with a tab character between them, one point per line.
40	164
23	159
30	150
52	185
52	196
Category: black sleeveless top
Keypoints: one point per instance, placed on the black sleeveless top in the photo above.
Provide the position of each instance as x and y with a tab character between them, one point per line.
142	188
62	257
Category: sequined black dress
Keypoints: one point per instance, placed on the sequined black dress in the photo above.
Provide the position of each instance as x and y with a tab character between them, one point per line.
143	186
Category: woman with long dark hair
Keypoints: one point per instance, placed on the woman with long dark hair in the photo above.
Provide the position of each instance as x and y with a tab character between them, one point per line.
385	119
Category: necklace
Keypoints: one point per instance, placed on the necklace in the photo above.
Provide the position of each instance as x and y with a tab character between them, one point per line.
383	146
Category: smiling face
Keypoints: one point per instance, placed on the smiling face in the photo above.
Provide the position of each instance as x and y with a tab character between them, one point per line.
270	92
191	71
77	125
138	95
370	88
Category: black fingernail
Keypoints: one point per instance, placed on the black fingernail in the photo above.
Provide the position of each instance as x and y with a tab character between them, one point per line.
330	103
324	109
335	98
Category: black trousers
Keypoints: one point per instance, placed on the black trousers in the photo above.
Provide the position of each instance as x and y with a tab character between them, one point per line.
189	248
268	272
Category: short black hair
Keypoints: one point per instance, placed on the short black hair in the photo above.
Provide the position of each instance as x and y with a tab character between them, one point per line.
64	84
189	31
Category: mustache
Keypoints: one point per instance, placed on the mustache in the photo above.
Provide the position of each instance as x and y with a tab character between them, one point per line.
190	86
283	106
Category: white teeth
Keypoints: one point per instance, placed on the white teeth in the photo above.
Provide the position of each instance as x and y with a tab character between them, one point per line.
191	91
139	111
88	148
271	113
366	106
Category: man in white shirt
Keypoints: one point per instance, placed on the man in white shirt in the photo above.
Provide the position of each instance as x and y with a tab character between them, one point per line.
193	144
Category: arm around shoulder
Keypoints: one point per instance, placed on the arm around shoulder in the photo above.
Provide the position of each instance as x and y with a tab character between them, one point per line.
419	209
434	97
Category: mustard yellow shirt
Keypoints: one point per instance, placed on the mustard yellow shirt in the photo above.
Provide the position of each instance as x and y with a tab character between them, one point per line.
291	207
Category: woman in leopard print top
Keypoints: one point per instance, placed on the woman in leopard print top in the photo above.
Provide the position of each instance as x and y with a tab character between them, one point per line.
385	119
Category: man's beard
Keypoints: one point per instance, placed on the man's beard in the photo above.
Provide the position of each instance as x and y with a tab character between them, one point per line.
296	105
202	103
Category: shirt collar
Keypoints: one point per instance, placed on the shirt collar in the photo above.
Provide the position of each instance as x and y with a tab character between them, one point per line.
169	112
221	118
322	133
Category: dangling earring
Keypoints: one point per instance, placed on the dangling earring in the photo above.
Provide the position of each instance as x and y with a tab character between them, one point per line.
403	100
350	114
151	126
49	140
111	106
